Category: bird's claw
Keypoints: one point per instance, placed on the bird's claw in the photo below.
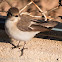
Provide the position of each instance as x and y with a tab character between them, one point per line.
16	47
22	50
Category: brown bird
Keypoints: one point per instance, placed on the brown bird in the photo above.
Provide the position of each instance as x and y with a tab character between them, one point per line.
23	26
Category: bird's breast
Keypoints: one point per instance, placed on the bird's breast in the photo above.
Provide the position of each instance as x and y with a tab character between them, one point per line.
17	34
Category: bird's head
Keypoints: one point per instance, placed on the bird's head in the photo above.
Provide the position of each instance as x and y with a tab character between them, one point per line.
13	12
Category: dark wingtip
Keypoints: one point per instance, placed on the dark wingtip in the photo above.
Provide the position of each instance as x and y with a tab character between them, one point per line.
49	24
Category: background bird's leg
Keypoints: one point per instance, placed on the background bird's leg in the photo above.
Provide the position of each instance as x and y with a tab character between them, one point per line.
22	50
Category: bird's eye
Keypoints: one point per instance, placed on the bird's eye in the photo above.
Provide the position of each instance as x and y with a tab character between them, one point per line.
16	16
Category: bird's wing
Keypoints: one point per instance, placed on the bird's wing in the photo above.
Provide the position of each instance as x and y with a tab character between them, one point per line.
39	28
28	23
42	26
49	24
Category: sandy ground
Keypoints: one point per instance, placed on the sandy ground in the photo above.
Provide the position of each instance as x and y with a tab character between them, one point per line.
39	50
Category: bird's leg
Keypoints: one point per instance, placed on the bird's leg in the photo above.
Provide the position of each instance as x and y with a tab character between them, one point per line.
16	46
12	45
22	50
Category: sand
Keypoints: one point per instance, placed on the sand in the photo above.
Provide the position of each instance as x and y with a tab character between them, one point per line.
38	50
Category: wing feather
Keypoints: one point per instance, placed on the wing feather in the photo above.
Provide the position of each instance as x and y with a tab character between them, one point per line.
43	26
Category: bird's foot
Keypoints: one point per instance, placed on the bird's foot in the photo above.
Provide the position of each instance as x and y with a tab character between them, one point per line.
16	46
22	51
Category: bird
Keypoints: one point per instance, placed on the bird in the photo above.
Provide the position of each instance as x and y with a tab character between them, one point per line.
23	27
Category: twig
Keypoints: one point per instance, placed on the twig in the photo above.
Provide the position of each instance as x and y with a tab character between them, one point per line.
45	12
8	3
40	10
25	7
53	9
30	15
3	11
37	7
